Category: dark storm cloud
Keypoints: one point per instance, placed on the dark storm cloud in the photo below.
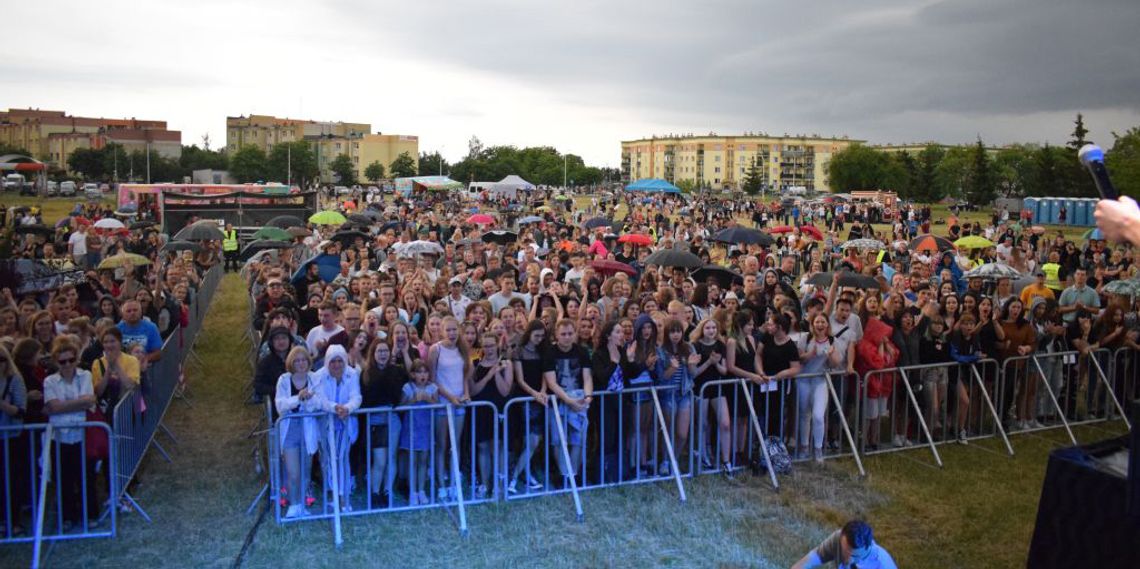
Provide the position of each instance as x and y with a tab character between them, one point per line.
825	61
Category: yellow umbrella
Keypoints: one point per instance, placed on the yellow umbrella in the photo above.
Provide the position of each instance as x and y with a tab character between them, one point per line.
124	260
973	242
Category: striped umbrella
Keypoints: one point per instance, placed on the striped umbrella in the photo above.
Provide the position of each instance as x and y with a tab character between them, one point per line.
930	243
866	244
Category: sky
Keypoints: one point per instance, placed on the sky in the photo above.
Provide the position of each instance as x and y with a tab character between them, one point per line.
583	75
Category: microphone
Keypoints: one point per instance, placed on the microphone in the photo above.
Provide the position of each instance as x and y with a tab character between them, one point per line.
1092	156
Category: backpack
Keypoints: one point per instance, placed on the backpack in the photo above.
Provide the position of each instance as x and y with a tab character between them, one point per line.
781	460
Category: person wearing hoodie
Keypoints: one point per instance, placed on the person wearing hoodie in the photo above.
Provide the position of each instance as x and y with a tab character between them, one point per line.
966	349
338	388
948	262
642	372
874	352
271	366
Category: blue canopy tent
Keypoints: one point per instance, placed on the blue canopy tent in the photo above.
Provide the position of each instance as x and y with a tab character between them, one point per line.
652	185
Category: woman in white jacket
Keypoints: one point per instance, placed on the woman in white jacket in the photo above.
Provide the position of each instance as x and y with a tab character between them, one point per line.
338	391
297	394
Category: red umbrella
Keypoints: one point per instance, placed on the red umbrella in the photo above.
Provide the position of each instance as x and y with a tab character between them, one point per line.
930	243
811	230
481	219
781	229
606	267
636	239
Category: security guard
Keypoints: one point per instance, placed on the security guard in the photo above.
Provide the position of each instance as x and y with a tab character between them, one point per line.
230	247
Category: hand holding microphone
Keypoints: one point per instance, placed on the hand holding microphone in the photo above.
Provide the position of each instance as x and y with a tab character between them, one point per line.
1118	217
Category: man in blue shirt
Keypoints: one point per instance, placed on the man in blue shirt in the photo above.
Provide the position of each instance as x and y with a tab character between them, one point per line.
849	548
136	330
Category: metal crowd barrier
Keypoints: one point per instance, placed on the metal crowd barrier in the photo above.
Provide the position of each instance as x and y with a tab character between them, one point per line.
45	483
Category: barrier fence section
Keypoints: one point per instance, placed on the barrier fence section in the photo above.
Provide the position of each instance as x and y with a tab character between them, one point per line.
453	457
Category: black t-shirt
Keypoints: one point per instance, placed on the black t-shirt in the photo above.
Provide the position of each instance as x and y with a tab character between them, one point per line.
778	357
490	392
707	350
531	369
567	366
383	386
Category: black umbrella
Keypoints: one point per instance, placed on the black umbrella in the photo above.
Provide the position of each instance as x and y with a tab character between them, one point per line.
286	221
200	231
393	225
261	245
846	278
372	214
143	224
597	222
182	246
35	228
743	235
359	219
501	237
466	242
348	236
674	258
723	275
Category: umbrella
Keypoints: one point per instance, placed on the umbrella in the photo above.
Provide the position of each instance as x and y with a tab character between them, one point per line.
562	198
372	214
347	236
811	230
285	222
263	245
597	222
636	239
329	268
200	231
466	242
143	224
531	219
1094	234
35	228
63	221
298	232
606	267
781	229
1123	287
993	271
109	223
327	217
1037	229
846	279
868	244
359	219
973	242
723	275
422	247
674	258
273	233
393	225
124	260
743	235
930	243
481	219
500	237
182	246
543	208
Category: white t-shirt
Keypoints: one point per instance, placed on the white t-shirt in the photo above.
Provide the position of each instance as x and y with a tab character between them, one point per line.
78	243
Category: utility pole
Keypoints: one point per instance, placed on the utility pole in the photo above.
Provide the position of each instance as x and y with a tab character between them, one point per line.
148	162
288	164
563	171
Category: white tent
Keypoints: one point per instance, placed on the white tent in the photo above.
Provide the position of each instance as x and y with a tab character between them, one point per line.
510	185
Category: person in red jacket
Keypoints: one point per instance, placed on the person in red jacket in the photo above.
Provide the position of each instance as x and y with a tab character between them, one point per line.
875	352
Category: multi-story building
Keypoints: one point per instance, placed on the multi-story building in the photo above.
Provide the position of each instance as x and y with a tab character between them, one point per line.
915	148
327	139
51	136
723	162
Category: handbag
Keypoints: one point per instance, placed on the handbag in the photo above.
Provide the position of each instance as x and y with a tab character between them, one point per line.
98	446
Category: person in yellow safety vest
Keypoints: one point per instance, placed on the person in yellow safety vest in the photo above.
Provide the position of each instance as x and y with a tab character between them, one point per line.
1052	271
230	247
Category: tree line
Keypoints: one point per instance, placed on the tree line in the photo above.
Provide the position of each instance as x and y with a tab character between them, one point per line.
979	175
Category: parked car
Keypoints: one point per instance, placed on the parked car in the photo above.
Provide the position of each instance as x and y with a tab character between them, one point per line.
67	188
91	192
342	190
52	189
14	182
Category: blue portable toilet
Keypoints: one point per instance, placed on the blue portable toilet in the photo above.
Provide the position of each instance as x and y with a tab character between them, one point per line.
1068	207
1030	205
1082	212
1048	211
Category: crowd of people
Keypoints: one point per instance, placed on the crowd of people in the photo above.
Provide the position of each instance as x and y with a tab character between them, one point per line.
422	303
71	352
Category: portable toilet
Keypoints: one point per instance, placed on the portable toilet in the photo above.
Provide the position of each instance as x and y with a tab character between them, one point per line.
1030	205
1083	212
1048	211
1066	205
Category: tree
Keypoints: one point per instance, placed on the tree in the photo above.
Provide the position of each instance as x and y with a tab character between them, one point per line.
194	158
403	166
754	179
981	188
162	169
248	164
952	174
860	167
433	164
13	149
1123	162
344	169
87	161
1015	170
1079	133
375	171
1047	180
927	189
293	162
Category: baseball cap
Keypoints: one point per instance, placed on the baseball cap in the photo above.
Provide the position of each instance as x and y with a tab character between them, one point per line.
455	280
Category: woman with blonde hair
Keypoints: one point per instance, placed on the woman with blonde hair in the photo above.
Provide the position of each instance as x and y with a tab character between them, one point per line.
297	393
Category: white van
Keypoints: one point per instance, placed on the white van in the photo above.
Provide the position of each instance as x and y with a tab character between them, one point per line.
475	190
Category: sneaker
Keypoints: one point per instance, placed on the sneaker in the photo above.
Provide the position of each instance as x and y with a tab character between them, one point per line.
817	455
663	468
533	484
294	511
480	492
801	454
513	487
726	470
962	437
899	441
706	462
124	507
423	498
413	499
1036	424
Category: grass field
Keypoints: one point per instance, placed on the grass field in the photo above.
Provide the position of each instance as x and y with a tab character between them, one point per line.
976	512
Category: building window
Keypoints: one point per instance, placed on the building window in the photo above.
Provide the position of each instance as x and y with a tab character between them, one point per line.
716	170
717	159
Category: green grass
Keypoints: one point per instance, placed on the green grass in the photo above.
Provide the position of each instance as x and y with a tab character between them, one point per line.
53	208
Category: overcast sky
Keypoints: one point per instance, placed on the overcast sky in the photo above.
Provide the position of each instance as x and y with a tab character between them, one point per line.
583	75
